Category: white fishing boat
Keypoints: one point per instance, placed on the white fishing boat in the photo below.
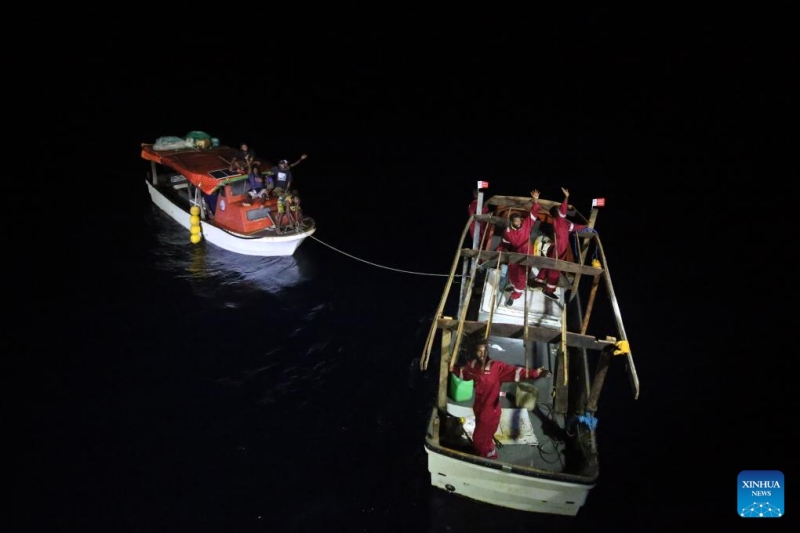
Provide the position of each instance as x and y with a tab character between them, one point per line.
192	183
548	459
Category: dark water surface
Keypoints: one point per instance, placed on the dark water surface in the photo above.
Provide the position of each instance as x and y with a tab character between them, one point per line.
160	386
183	388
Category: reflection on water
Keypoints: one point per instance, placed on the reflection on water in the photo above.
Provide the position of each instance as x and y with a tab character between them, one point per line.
211	269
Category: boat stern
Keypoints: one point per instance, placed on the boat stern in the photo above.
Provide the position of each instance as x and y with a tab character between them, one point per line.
498	486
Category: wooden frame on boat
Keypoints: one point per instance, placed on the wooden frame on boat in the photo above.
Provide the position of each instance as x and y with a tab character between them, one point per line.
537	332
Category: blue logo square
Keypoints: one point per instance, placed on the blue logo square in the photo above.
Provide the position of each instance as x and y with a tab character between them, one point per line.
760	494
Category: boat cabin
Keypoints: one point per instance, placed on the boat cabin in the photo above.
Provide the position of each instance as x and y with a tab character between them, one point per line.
201	177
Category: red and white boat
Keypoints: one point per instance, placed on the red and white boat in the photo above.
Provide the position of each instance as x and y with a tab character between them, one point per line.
190	181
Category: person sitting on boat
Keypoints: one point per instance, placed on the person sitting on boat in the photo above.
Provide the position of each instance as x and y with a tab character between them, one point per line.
488	376
516	238
244	161
283	174
547	278
260	186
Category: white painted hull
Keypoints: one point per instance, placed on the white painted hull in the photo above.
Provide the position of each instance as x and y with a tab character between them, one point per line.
269	246
506	489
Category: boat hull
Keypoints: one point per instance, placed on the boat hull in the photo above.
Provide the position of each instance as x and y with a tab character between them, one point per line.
267	246
505	489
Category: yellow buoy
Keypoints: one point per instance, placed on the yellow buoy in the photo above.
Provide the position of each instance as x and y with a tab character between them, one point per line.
194	228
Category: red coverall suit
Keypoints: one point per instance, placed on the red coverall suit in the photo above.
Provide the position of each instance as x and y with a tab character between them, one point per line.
518	240
561	228
487	398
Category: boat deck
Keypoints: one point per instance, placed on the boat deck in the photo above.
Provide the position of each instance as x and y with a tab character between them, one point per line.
547	454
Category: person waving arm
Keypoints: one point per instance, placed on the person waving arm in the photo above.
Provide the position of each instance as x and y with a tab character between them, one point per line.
302	157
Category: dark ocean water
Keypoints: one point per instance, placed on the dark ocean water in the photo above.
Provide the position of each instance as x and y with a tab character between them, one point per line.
178	387
160	386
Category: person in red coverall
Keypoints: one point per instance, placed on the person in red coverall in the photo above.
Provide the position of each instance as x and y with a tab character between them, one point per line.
548	278
488	375
516	238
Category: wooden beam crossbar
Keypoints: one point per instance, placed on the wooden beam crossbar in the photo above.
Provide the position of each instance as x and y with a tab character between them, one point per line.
517	331
537	261
520	202
494	220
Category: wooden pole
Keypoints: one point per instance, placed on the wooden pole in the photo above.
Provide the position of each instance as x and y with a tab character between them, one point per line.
525	338
599	377
426	353
464	306
444	369
495	286
582	251
461	319
590	304
564	342
562	376
154	171
632	375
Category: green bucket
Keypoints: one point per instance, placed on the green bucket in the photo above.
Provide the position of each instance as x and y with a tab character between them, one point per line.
460	389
